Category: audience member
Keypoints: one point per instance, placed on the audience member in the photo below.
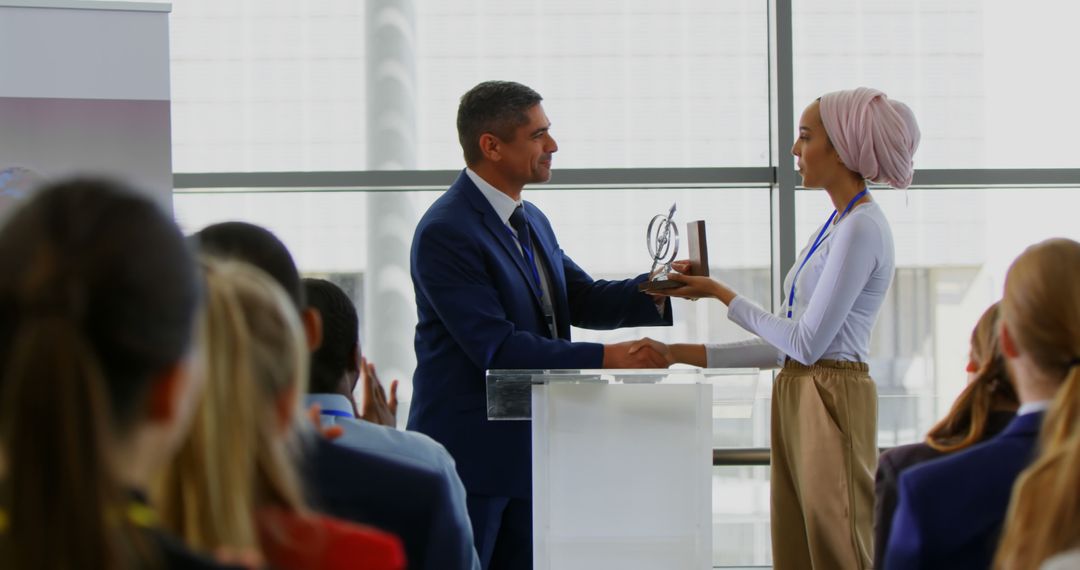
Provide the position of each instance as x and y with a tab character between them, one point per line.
951	510
98	295
1043	330
981	411
336	367
234	484
412	502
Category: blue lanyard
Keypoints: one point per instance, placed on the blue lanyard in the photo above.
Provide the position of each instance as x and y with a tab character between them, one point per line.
532	261
817	242
337	413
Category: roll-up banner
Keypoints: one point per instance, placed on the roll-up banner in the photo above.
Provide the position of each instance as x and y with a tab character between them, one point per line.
84	90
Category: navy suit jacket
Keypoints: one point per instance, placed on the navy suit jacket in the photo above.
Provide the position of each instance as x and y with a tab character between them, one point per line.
405	499
895	461
951	509
478	309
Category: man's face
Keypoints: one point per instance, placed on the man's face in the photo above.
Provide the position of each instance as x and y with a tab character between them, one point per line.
527	157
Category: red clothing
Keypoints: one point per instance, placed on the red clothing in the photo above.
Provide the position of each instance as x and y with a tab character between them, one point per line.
290	541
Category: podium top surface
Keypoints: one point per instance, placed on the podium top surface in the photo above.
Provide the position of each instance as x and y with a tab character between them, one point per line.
618	376
509	392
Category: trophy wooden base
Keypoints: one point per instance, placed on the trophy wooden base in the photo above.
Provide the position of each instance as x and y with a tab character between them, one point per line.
658	285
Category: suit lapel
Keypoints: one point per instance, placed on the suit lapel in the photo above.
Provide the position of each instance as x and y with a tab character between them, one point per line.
547	253
498	231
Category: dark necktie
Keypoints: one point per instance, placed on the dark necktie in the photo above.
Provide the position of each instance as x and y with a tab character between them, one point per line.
524	237
517	221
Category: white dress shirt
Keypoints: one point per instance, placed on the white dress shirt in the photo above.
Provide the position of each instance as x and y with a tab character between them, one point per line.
504	207
837	299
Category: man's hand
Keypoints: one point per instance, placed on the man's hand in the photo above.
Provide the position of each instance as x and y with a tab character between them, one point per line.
329	432
656	346
619	356
377	409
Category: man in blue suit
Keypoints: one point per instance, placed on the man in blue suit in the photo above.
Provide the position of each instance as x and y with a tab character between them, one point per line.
495	291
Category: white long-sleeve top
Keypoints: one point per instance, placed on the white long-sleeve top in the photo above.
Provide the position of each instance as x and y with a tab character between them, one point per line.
837	299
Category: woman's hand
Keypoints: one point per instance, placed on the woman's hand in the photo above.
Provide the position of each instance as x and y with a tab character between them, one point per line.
694	287
660	348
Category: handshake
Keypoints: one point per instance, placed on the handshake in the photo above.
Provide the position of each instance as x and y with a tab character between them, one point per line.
644	353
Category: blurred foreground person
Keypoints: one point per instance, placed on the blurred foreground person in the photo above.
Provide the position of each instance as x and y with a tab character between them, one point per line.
234	486
98	294
950	511
1044	515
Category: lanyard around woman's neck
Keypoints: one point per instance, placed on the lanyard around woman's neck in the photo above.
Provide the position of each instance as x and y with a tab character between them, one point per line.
817	242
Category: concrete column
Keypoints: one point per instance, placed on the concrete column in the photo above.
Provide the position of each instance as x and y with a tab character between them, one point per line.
389	317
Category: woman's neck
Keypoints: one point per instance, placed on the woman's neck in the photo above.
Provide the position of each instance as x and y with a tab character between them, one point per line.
1032	383
842	192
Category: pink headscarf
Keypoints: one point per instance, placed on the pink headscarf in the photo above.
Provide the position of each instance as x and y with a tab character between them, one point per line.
875	136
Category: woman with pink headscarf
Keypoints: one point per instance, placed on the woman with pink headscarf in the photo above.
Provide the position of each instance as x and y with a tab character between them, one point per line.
824	404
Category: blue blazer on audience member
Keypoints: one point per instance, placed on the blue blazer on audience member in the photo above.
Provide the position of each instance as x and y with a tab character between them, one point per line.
478	309
951	510
405	499
406	446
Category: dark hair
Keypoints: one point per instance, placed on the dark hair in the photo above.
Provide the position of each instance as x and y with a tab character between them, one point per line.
259	247
496	107
965	425
98	293
340	335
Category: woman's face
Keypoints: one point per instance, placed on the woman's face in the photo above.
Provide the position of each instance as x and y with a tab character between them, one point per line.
818	162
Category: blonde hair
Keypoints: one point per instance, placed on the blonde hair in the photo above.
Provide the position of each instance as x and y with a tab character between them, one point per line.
235	460
1041	309
965	424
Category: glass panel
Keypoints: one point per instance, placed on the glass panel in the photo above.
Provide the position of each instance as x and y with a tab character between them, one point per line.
342	235
984	77
626	84
274	85
741	534
281	86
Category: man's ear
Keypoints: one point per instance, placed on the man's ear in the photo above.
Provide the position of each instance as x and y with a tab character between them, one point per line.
489	147
312	321
1008	345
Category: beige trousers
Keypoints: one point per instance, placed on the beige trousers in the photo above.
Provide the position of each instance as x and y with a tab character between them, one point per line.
824	453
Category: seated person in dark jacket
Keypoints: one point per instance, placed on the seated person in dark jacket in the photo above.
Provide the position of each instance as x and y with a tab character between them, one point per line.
981	411
950	510
336	368
408	500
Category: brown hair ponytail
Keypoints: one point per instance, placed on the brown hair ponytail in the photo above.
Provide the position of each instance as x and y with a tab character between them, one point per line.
97	301
965	424
59	511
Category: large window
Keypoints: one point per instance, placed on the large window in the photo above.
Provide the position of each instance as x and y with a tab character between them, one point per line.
984	77
689	90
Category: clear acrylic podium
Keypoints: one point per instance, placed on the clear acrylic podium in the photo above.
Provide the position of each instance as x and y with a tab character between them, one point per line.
622	463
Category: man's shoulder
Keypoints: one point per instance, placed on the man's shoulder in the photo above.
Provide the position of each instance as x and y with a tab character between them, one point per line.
331	459
408	446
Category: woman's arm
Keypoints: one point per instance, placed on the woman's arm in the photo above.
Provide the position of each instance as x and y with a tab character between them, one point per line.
754	353
852	258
